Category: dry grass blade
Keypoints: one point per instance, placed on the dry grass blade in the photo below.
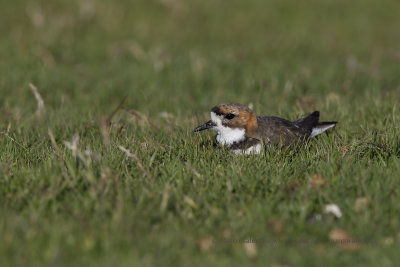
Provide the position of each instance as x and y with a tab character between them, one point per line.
12	139
44	138
116	109
40	107
135	113
135	158
106	122
55	146
57	150
104	127
190	202
192	169
138	115
73	146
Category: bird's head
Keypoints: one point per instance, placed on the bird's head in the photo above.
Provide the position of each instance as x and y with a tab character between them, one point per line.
230	119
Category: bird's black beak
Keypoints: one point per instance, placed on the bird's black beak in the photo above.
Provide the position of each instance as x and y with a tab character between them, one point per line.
208	125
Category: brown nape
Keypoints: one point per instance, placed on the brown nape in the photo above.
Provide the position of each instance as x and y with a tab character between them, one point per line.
251	125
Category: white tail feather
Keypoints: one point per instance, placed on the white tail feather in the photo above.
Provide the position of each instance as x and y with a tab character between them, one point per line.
320	129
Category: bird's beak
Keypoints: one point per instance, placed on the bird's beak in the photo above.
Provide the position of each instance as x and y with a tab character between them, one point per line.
208	125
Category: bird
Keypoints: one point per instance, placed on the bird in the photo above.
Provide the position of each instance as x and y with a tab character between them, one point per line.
239	129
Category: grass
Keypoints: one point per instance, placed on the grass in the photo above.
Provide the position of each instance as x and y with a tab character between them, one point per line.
175	200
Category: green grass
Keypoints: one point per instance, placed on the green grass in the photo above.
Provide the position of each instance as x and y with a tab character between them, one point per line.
174	60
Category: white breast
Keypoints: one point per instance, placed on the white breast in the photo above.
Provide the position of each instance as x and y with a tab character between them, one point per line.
226	135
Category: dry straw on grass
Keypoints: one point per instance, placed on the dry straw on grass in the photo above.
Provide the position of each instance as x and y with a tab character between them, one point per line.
40	103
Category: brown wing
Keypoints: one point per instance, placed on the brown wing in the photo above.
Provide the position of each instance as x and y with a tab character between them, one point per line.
275	131
249	142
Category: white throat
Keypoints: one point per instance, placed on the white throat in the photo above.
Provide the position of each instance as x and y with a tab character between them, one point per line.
226	135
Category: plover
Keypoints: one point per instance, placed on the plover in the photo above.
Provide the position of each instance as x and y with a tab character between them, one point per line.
242	131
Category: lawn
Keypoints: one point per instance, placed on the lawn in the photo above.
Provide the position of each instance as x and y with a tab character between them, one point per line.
107	172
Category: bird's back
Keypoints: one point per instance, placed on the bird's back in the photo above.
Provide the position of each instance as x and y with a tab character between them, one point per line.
274	130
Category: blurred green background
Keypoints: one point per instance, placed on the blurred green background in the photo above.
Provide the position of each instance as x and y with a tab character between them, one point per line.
174	60
181	56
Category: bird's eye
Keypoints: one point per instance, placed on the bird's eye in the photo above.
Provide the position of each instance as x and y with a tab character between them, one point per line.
229	116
